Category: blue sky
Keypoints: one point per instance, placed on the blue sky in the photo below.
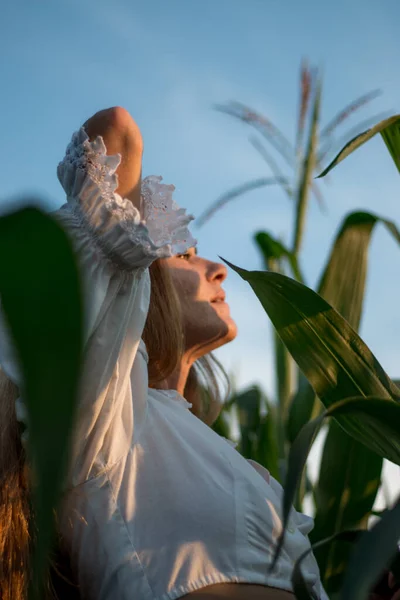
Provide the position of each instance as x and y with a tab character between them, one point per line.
168	63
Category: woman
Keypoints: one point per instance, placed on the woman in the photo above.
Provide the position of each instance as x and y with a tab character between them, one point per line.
156	505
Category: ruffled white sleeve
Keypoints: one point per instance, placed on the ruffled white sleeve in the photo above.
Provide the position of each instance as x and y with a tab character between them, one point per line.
114	243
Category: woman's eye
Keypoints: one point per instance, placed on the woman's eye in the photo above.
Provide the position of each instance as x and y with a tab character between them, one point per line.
185	256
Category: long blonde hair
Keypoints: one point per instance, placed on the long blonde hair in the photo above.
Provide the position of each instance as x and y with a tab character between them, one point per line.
163	337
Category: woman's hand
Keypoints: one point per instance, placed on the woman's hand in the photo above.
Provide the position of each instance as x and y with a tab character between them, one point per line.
122	136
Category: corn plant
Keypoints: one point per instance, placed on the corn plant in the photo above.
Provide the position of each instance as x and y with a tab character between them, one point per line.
350	473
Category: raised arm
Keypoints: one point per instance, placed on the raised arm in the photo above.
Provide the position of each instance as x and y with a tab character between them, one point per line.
121	135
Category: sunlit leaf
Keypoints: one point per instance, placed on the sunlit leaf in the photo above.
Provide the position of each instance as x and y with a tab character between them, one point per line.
342	285
41	297
358	141
333	357
343	280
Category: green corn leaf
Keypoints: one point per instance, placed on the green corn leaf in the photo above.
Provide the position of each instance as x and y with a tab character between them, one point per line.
358	141
381	413
342	285
343	281
349	473
300	588
273	253
349	479
391	137
298	455
332	356
41	297
372	553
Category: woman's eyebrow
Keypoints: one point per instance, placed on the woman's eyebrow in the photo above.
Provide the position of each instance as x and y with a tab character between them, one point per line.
195	250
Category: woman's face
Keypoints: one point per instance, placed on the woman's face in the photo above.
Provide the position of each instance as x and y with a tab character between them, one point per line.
207	323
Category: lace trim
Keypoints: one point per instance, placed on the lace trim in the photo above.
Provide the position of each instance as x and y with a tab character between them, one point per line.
161	225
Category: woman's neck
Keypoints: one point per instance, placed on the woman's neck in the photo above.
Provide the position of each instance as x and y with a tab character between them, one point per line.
178	378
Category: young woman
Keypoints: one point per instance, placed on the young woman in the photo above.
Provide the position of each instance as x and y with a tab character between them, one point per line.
156	505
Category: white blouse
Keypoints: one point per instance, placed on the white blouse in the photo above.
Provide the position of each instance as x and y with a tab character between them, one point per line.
156	504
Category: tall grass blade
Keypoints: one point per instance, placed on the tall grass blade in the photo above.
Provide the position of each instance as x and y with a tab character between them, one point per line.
263	125
347	111
235	193
306	175
255	142
305	95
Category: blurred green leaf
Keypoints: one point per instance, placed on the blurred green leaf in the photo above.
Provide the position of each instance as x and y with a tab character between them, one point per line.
308	166
333	357
349	479
267	449
372	553
249	405
358	141
304	406
391	137
41	295
271	248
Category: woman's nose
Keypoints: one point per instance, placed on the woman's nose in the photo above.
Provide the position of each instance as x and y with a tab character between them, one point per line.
217	272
